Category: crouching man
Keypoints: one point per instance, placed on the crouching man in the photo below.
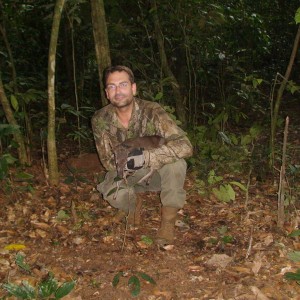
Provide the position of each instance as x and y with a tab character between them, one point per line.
127	116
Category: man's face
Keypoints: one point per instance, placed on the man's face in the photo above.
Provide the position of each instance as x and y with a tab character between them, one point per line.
119	89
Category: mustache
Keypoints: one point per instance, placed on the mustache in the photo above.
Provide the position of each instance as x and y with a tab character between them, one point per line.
119	94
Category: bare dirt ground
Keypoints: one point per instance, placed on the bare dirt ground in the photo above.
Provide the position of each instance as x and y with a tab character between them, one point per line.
222	250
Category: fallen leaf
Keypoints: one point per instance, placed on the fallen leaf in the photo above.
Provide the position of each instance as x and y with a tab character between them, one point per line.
41	233
219	260
40	225
195	268
168	247
15	247
108	239
268	239
241	269
258	293
78	240
63	230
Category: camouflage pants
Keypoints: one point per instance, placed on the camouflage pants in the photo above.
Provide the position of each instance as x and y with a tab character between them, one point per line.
169	180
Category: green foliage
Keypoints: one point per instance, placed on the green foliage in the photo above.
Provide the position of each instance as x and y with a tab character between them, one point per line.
20	262
297	16
6	160
134	283
48	288
146	240
293	276
294	256
294	233
223	191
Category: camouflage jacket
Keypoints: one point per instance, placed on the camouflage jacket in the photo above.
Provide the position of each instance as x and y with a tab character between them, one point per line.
148	118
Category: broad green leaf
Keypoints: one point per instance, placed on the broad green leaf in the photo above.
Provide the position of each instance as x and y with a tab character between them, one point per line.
146	277
47	287
255	131
20	262
240	185
297	16
146	240
230	191
64	289
294	256
23	291
134	285
245	140
158	96
294	233
116	278
9	159
292	276
14	102
227	239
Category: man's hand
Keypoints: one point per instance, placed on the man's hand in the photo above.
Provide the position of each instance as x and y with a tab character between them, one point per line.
135	160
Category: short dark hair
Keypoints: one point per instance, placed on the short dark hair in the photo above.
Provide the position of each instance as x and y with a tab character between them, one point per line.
118	68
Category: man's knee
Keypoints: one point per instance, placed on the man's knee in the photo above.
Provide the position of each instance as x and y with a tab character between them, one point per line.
174	172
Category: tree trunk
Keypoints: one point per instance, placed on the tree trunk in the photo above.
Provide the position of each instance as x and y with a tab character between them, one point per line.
11	58
101	42
18	136
280	93
51	143
180	107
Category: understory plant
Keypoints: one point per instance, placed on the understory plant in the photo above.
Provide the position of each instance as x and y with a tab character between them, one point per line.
47	288
134	282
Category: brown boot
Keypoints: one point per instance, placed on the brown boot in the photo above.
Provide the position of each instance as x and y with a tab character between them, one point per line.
134	217
165	234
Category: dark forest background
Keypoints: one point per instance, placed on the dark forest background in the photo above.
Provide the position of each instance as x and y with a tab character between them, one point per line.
216	66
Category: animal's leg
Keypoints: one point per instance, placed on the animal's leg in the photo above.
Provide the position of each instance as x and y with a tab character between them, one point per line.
146	178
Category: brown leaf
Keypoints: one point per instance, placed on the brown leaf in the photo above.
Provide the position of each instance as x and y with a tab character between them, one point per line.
40	225
41	233
258	293
62	230
219	260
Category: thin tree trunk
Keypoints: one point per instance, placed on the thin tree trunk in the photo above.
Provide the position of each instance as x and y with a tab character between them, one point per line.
101	42
18	136
180	106
11	58
51	143
280	92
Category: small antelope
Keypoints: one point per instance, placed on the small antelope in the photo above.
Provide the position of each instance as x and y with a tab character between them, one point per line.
122	150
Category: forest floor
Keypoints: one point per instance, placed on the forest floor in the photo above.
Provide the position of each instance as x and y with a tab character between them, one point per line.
221	251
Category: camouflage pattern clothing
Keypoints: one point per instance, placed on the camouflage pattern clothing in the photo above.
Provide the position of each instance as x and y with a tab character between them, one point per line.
148	118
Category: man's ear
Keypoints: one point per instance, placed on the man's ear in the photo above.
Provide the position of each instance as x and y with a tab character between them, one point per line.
133	88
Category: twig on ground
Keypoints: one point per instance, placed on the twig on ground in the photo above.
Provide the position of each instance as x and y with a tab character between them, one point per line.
250	243
282	181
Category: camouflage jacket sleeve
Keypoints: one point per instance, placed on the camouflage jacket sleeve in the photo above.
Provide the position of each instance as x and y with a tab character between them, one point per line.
178	145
